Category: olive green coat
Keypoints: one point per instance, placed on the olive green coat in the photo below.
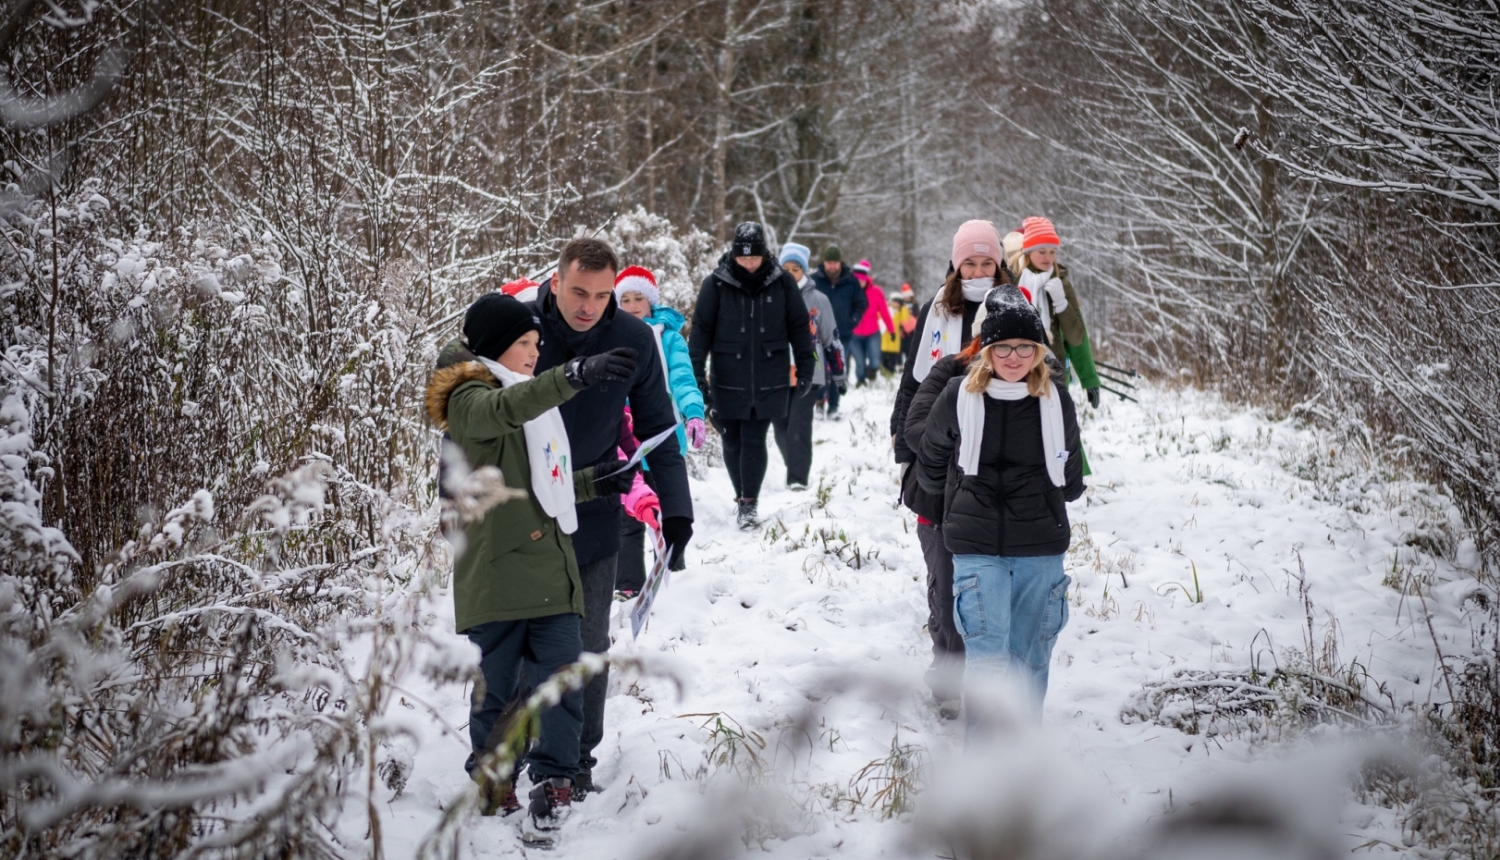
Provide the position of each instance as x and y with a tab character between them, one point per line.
1069	337
516	562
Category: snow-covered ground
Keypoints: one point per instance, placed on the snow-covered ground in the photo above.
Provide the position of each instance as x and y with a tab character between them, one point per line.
1188	497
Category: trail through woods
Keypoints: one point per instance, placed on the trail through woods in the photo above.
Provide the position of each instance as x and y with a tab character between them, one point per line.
762	621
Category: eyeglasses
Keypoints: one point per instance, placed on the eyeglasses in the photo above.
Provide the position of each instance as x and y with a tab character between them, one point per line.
1025	350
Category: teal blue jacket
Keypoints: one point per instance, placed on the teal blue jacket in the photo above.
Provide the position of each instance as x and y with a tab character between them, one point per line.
680	380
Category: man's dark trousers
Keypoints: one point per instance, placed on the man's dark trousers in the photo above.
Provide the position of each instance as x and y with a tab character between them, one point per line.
547	644
598	600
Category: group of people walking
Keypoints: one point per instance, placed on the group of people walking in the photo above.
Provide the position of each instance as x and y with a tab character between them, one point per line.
556	385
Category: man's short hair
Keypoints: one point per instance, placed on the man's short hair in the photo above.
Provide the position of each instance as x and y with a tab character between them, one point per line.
591	255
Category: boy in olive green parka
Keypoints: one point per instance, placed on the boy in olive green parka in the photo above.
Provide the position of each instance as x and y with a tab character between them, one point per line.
516	590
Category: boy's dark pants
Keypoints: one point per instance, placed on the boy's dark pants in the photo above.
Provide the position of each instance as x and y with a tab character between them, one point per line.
542	646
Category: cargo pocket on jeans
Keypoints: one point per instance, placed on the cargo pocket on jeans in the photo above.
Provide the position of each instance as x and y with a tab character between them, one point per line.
1056	616
968	609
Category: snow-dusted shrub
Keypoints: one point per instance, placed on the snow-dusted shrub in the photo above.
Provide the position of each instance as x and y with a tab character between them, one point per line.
680	259
209	483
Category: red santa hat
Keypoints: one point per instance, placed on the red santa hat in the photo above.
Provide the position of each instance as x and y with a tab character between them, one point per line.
522	289
637	279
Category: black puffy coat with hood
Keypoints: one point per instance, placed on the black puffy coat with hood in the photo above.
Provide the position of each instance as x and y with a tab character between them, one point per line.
751	324
1010	507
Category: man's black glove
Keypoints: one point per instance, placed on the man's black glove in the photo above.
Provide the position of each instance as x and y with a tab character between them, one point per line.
804	386
617	365
842	384
677	531
606	484
1093	394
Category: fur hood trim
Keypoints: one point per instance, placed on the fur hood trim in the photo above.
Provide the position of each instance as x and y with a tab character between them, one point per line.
446	380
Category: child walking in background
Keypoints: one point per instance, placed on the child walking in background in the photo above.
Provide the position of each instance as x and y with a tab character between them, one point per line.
866	343
1044	281
893	339
637	294
516	589
794	432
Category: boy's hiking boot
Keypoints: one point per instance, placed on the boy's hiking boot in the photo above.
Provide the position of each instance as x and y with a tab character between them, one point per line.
551	802
497	796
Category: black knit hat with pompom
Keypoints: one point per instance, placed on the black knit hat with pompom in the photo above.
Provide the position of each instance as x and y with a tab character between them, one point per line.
1009	316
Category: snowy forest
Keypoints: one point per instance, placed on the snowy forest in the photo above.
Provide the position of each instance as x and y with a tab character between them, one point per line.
234	237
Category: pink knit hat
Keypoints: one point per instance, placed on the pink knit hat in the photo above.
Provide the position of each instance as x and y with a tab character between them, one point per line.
976	239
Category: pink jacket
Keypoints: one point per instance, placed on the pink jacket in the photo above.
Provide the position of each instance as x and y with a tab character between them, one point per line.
877	312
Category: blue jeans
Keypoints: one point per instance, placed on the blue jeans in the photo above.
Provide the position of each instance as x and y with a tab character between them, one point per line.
1009	611
546	644
866	356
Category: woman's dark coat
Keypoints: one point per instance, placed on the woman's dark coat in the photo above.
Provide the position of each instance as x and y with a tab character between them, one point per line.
1010	507
749	323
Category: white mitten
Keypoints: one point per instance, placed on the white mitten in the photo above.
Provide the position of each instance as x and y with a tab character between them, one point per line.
1056	294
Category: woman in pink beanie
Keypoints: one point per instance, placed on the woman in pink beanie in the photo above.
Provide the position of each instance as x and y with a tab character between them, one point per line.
944	326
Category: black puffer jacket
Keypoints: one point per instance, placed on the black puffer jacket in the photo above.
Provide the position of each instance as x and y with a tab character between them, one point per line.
928	506
747	322
909	383
1010	508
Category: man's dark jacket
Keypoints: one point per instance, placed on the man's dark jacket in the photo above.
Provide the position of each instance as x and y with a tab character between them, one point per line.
593	418
847	295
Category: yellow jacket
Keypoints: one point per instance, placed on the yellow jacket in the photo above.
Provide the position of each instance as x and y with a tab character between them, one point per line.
890	341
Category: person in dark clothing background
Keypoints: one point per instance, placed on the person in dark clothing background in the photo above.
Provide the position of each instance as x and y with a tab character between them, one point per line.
579	317
847	295
748	315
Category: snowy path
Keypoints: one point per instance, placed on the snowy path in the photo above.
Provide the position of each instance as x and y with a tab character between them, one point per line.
762	619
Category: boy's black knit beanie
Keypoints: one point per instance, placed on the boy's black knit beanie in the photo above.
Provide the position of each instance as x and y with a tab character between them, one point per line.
494	322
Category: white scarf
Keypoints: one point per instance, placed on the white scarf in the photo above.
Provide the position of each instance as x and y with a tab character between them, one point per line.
971	425
1036	284
550	455
943	334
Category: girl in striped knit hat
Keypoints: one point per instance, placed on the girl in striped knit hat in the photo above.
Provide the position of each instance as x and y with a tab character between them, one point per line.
1045	282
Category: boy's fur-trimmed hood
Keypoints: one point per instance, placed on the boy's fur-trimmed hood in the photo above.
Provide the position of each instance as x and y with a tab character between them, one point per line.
446	380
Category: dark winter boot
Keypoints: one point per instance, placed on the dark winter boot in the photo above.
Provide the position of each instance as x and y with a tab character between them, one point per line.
746	515
583	783
551	802
497	796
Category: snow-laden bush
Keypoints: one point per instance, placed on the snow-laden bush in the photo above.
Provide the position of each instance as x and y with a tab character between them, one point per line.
210	478
679	259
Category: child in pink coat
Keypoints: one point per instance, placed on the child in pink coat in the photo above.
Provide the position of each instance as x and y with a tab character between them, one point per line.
866	344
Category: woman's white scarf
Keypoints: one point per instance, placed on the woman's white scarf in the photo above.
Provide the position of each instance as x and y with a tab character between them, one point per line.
1035	283
943	334
971	425
550	455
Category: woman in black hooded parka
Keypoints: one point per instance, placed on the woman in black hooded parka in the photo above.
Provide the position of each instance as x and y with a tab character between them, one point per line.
749	327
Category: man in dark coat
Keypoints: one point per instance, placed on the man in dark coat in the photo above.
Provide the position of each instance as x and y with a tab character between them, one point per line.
580	318
847	295
750	318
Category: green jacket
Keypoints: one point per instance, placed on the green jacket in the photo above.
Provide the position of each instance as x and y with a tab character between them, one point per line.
516	562
1070	336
